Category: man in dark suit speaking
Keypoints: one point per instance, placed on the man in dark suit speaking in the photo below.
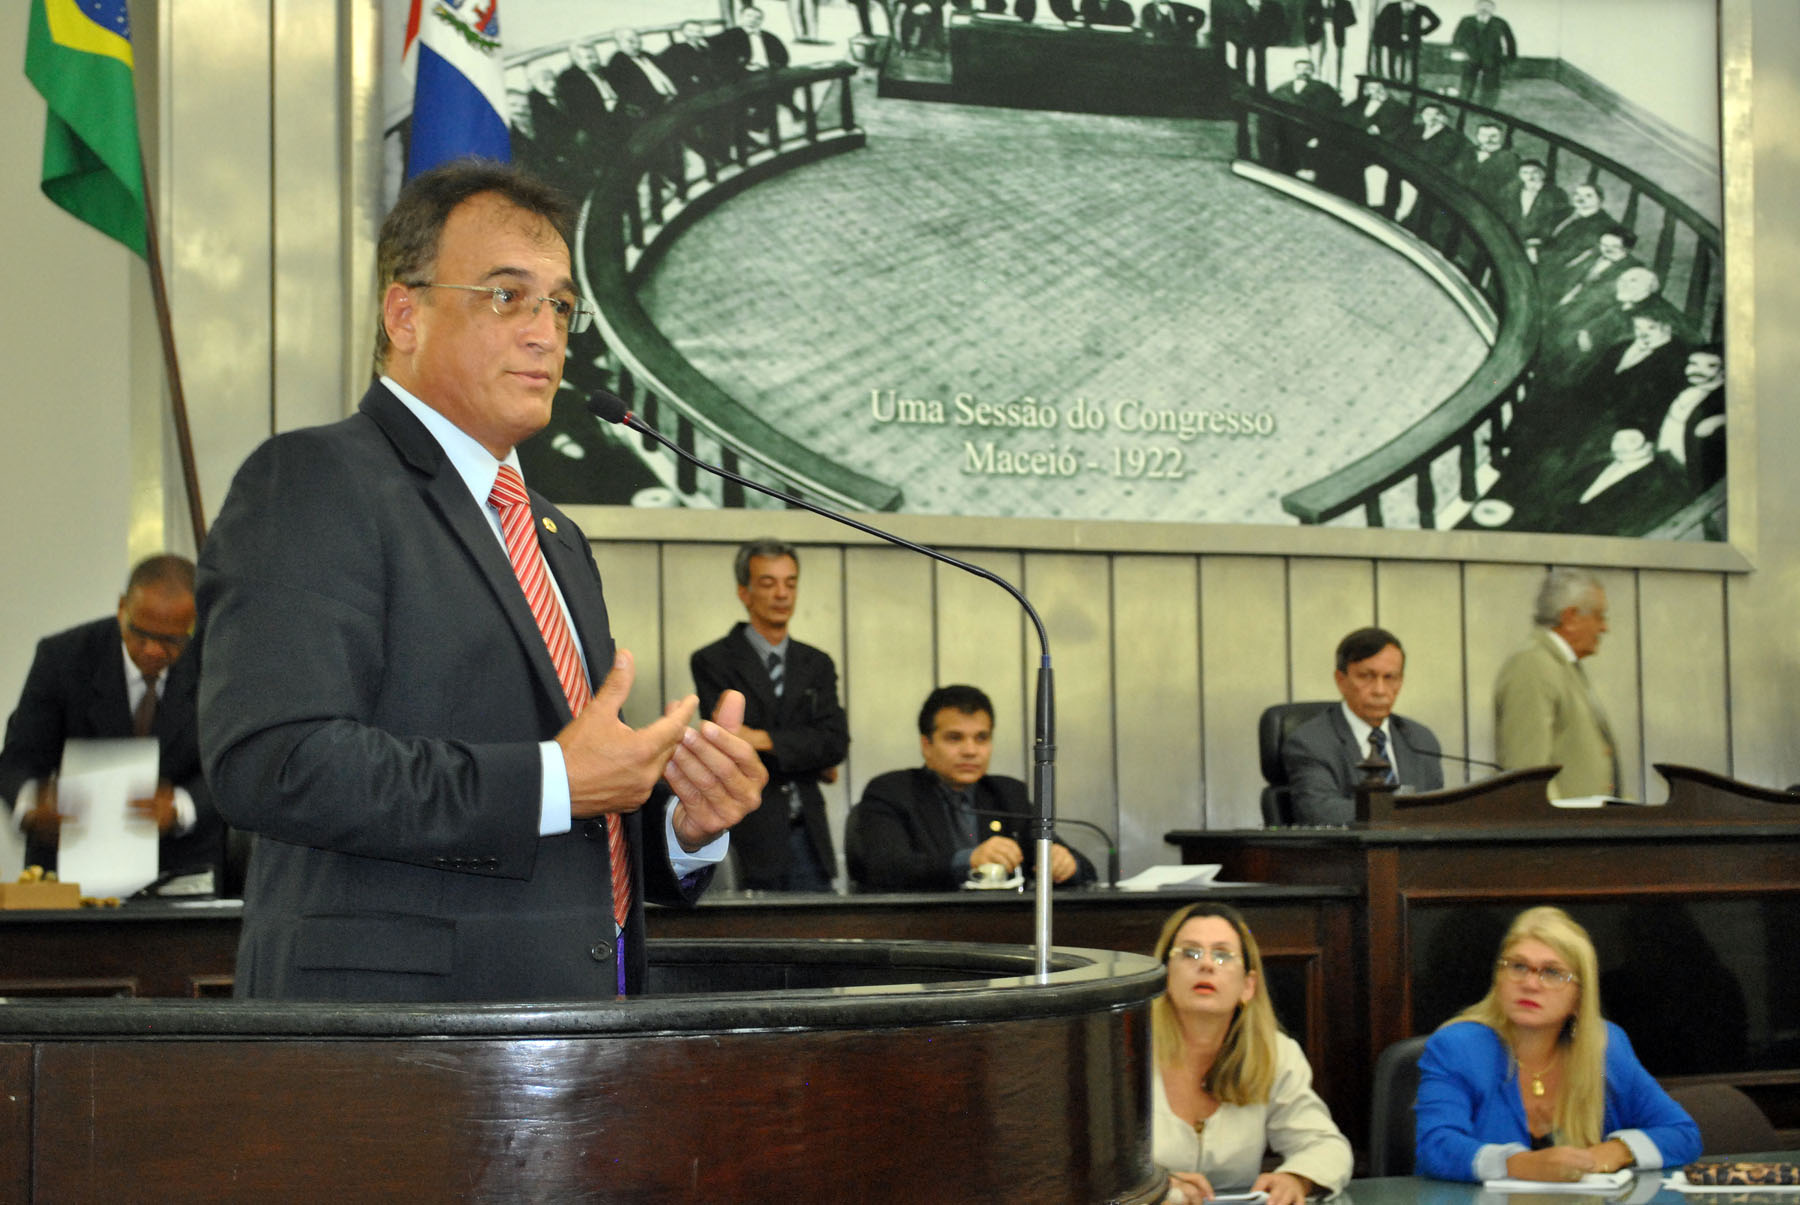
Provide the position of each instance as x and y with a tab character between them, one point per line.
926	829
412	694
121	676
1321	755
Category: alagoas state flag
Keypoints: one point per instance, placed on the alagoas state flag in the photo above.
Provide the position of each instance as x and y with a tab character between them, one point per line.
459	94
78	57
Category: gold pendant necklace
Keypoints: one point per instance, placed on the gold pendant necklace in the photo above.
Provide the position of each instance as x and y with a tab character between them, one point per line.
1537	1077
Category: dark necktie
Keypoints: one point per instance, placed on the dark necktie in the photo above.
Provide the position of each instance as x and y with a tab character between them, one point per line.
961	804
514	506
1378	748
777	676
143	717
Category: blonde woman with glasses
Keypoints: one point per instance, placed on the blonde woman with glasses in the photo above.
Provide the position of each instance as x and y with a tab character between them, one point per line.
1531	1083
1228	1084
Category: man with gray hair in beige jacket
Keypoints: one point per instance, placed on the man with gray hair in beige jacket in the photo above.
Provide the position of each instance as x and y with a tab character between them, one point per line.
1545	709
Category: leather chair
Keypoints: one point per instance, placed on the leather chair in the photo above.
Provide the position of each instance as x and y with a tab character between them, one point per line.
1391	1134
1730	1122
1276	724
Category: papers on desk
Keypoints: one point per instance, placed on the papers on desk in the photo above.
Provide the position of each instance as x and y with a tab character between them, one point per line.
105	846
1158	877
1605	1183
1599	801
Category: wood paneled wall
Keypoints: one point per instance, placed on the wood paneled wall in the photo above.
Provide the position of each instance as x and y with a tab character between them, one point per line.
1164	662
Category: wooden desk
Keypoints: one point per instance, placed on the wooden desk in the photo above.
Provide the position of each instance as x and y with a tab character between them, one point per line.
1693	906
1306	934
796	1071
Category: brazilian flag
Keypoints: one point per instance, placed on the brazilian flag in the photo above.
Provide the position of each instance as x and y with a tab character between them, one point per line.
78	56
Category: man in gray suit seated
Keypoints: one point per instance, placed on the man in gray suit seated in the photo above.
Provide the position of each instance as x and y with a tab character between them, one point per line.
1321	755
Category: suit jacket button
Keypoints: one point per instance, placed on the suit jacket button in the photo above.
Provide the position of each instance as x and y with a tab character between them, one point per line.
601	951
594	830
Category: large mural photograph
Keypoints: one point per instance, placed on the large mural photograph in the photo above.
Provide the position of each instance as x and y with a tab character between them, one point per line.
1353	262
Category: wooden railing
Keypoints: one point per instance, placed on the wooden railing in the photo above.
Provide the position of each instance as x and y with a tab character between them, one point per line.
677	166
1685	249
1470	239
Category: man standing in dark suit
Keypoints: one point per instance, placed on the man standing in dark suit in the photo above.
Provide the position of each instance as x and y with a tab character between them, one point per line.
1319	17
412	693
926	829
792	718
1485	45
111	679
1400	30
1321	755
1248	28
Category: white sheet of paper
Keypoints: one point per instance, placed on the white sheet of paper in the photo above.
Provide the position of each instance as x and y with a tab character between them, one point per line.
1593	1182
104	846
1156	878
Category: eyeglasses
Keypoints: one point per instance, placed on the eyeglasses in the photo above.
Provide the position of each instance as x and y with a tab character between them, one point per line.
176	643
1221	957
571	318
1519	972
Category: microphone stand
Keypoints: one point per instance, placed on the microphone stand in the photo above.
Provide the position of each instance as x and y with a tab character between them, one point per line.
608	407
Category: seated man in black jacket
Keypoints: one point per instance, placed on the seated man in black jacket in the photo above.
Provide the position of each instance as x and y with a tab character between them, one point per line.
129	675
926	829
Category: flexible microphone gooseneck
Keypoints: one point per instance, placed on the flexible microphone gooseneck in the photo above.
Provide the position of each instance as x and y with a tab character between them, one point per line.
1112	846
1467	761
609	407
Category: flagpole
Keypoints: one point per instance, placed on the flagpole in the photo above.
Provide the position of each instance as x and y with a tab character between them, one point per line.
184	443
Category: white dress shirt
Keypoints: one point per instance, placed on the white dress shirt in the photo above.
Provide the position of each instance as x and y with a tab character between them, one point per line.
478	469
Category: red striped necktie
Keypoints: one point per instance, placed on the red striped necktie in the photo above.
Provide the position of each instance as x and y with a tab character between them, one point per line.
509	498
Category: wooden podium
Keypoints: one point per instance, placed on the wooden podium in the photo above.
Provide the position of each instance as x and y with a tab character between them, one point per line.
1703	891
770	1071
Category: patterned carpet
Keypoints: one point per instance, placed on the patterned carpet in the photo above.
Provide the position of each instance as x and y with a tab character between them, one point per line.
1005	255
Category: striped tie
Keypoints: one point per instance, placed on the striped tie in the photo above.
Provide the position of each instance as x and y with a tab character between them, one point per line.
1378	748
509	498
775	674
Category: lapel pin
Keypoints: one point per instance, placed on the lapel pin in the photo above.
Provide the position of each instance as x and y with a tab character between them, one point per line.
549	525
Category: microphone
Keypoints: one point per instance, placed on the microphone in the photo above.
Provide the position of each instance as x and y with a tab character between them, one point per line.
1467	761
610	408
1112	846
